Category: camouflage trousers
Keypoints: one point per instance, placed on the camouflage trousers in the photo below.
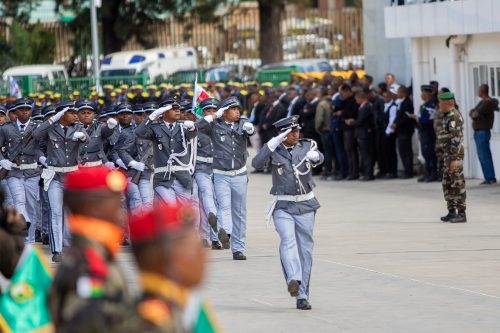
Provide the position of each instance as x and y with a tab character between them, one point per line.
454	186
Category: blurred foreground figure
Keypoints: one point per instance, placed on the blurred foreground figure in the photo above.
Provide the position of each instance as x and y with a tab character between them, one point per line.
23	305
89	293
171	261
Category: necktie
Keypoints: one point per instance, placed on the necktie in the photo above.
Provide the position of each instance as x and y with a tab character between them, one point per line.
22	128
171	126
65	129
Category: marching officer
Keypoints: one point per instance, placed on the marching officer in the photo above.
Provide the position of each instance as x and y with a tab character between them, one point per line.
137	154
171	262
229	133
450	140
91	153
426	133
203	175
173	158
63	136
89	292
122	131
294	204
20	160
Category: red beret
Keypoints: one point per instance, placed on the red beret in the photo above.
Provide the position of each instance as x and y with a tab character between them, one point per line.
162	219
95	179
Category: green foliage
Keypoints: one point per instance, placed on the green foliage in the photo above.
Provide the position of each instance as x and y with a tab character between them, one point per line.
18	9
27	46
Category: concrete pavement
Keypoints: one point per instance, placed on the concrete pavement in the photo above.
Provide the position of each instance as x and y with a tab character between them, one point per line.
383	262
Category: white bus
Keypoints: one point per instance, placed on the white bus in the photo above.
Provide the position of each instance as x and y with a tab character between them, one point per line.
158	62
36	72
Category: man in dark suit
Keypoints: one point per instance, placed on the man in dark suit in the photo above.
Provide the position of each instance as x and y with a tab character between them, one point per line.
405	126
364	131
349	110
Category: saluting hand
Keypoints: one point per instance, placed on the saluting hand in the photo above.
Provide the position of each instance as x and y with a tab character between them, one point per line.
157	114
58	115
277	140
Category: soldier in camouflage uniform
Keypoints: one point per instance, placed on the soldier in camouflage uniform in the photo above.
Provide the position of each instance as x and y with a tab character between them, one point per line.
438	126
89	292
450	140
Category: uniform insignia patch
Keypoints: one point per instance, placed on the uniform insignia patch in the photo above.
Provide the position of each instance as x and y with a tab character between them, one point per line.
222	138
21	292
280	170
453	124
87	287
154	311
160	147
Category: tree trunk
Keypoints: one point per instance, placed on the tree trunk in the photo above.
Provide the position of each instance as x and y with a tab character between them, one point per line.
270	47
110	40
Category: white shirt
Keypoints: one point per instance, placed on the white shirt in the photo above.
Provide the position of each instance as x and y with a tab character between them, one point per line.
392	109
20	123
290	107
168	125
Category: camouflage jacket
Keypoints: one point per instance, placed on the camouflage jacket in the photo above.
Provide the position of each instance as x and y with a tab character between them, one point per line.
160	308
450	139
89	293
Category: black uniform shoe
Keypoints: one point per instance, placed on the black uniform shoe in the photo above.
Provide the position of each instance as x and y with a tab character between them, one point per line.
57	257
421	179
351	178
205	244
38	236
212	220
239	256
447	218
223	238
303	304
45	239
216	246
459	218
431	178
293	288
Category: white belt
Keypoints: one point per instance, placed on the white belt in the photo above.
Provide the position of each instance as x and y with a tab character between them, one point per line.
63	169
172	168
295	198
292	198
91	164
26	166
231	172
204	159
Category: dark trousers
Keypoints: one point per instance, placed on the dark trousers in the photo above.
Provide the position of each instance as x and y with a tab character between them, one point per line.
428	146
406	152
389	154
366	149
482	139
328	152
341	157
381	142
351	149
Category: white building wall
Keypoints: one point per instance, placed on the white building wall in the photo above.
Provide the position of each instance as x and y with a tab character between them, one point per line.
454	67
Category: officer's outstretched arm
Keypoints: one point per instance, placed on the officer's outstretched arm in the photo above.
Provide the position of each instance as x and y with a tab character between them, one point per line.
260	160
144	130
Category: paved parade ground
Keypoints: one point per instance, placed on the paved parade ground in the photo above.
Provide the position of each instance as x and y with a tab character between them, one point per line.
382	263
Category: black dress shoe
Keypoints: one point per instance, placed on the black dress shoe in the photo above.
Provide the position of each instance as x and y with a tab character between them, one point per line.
351	178
224	238
390	176
293	288
216	246
303	304
57	257
212	220
459	218
45	239
447	218
366	179
38	236
239	256
421	179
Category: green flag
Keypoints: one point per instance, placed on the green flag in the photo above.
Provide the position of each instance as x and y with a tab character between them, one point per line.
199	317
23	306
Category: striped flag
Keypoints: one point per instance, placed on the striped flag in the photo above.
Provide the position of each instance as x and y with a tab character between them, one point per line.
199	96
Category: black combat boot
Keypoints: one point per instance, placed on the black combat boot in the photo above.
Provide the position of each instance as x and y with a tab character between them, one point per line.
459	218
451	215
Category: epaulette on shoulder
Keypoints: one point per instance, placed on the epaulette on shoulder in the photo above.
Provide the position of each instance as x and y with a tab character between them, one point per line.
244	117
154	311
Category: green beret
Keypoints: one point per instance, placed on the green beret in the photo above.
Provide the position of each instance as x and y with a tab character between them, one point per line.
446	96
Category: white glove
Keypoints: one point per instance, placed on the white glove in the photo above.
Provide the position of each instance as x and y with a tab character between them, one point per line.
78	136
136	165
6	164
58	115
248	127
277	140
109	165
220	112
120	163
43	160
112	123
312	155
188	124
156	114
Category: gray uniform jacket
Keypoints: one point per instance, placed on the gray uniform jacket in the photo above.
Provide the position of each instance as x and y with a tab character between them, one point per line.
166	142
62	151
10	137
205	149
229	145
117	140
92	151
284	180
140	150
